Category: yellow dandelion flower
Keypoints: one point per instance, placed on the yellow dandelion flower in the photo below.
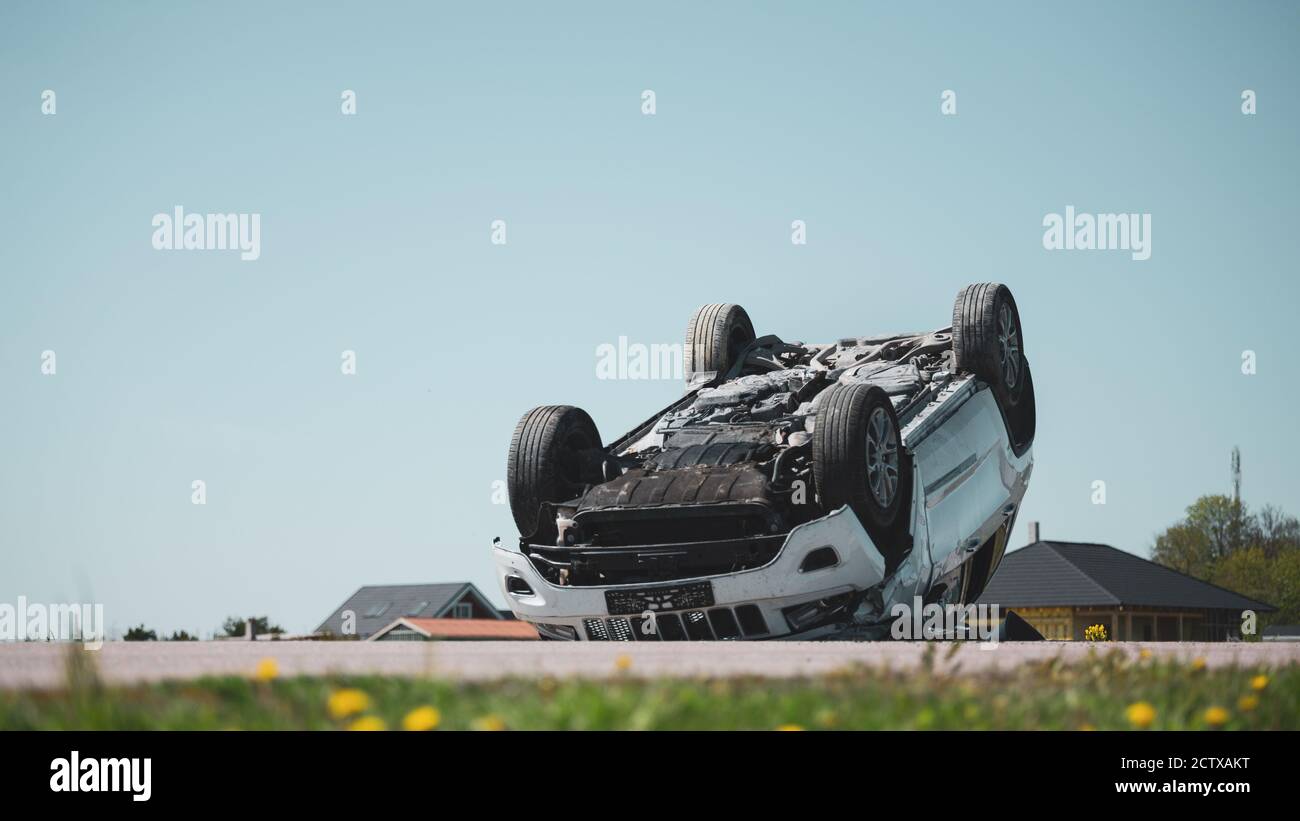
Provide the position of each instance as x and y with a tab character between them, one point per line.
623	663
489	723
1216	716
925	719
1259	683
1144	654
1247	703
347	702
1198	664
267	669
789	728
368	724
421	719
1140	714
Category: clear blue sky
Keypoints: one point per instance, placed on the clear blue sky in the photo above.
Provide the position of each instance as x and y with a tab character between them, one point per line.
375	238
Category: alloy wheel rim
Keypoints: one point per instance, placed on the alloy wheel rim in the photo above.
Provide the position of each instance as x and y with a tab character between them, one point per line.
1008	346
882	457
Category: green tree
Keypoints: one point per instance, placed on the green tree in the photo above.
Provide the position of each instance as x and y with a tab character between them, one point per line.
1225	523
181	635
1276	531
1274	580
234	626
1185	548
1255	554
140	634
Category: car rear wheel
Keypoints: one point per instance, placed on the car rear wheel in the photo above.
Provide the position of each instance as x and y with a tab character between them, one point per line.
715	338
859	461
550	461
987	340
1022	416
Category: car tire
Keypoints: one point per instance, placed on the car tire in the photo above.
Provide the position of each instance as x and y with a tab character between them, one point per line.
549	463
987	340
1022	416
859	461
715	338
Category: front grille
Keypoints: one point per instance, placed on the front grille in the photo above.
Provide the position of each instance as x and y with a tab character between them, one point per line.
720	623
635	562
724	624
751	620
643	629
619	630
697	625
670	627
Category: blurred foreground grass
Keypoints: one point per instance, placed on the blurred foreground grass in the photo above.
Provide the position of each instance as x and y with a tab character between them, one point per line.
1107	691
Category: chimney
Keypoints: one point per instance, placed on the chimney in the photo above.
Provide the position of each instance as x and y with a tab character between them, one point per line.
1033	532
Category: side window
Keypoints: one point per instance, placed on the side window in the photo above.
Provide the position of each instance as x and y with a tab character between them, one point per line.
463	610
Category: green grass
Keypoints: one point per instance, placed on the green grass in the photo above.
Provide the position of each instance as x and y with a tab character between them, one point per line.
1095	693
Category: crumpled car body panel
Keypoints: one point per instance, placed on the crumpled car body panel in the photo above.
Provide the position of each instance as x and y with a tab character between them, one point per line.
696	536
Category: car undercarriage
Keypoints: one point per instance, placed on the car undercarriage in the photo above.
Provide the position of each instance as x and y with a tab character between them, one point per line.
772	439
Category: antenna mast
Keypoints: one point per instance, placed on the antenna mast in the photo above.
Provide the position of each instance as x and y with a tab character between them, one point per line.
1236	475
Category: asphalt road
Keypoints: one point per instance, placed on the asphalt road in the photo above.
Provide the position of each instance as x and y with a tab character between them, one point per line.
37	665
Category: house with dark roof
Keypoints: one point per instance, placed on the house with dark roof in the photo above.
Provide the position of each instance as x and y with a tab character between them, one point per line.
374	607
1062	588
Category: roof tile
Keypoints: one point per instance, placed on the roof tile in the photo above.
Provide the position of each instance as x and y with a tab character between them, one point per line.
1079	574
471	628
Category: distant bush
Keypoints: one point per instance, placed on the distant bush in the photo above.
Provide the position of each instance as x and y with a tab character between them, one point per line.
233	627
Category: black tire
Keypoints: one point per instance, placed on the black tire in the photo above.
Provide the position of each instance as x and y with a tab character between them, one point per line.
715	337
847	422
547	463
1022	416
987	340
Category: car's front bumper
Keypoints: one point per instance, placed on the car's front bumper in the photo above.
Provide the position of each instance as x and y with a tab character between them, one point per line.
769	592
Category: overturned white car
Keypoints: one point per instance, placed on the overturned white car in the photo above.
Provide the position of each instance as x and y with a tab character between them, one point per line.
795	490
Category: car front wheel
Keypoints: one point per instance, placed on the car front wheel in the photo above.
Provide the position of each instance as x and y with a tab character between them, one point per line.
859	461
550	461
